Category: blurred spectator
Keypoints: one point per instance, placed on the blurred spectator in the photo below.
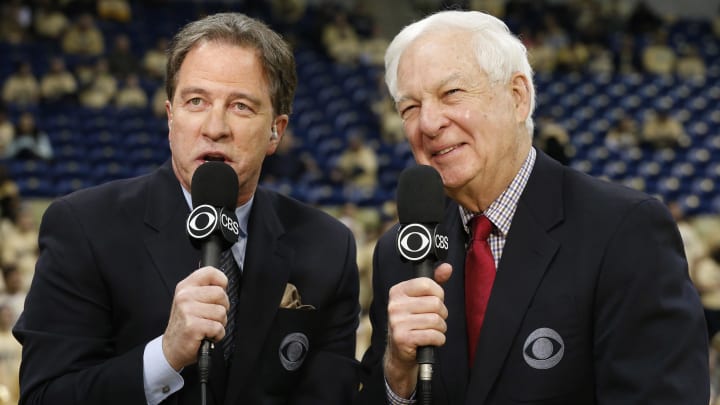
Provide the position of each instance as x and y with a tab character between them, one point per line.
372	49
83	37
391	125
158	103
658	57
9	199
155	59
29	142
116	10
690	65
695	247
121	60
340	40
102	87
600	60
287	164
573	57
288	12
590	22
20	249
7	131
362	20
10	351
543	57
364	258
553	139
661	130
627	58
555	35
643	20
350	215
49	21
494	7
58	84
131	95
14	293
618	9
624	134
15	21
21	88
706	277
357	167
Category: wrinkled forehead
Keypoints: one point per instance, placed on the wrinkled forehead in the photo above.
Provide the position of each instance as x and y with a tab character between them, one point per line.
440	55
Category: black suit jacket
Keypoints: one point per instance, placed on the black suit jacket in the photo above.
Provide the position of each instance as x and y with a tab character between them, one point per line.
592	304
110	258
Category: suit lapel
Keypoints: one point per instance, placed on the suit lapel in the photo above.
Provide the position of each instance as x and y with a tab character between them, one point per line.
526	256
266	271
167	242
452	358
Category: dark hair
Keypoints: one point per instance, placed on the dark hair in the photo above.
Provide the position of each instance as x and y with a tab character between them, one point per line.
238	29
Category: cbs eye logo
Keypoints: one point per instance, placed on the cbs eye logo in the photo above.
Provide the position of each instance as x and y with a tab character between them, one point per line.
543	349
202	221
414	242
293	350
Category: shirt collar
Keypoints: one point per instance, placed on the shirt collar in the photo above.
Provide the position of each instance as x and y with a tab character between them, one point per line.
501	211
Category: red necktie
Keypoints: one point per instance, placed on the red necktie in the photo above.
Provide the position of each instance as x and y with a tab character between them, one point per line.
479	278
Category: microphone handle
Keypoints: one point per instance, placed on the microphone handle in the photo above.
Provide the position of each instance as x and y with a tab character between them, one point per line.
210	251
425	354
210	256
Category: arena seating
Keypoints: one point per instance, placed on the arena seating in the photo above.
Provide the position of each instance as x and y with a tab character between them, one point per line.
95	146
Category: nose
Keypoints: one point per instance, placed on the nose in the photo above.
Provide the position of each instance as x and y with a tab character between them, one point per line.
215	125
432	119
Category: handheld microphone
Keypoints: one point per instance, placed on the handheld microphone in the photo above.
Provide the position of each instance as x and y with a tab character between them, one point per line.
421	240
213	227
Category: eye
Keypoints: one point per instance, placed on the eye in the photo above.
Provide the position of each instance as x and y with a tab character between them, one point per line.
241	106
196	101
452	91
405	111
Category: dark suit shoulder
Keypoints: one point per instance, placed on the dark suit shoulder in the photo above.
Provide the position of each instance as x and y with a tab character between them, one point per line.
112	192
124	194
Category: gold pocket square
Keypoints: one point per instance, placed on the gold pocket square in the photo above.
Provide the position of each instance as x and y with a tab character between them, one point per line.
291	299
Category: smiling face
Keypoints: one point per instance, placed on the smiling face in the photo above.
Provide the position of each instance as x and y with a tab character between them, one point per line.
221	110
470	129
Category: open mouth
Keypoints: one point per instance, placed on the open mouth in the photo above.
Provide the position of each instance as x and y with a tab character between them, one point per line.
446	150
214	158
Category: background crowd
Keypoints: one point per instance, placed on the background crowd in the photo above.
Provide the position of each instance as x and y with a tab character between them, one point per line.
625	92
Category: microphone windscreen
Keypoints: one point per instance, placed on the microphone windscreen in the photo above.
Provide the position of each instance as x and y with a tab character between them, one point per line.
420	195
216	184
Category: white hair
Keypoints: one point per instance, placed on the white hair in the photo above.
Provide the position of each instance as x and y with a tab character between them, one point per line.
498	51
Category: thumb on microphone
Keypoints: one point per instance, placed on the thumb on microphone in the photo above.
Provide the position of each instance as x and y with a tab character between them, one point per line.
443	273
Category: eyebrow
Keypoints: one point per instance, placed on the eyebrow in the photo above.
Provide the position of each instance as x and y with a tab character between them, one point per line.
233	95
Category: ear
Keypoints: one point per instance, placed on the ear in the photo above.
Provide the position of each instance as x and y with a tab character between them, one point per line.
168	112
279	125
521	92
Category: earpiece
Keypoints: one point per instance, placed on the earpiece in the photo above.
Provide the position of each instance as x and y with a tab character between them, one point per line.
274	134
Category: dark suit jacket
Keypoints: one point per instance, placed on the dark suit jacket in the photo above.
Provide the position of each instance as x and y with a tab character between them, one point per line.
109	262
592	304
